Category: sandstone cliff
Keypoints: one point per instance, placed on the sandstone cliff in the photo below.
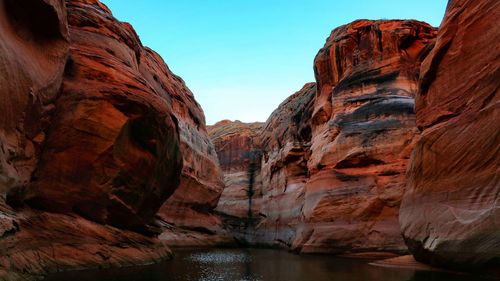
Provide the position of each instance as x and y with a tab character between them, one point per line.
363	131
239	156
28	94
111	153
285	144
335	153
187	215
95	132
450	213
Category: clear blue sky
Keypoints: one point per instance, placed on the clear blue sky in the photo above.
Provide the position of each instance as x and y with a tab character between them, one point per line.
242	58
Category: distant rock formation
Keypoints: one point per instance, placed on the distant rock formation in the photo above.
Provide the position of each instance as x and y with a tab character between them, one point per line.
450	214
236	144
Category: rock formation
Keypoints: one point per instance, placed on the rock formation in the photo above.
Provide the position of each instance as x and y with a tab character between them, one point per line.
32	33
91	134
34	243
112	139
285	143
450	213
238	150
188	214
102	146
363	131
334	154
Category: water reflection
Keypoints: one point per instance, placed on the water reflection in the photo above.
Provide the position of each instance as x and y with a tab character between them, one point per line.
258	265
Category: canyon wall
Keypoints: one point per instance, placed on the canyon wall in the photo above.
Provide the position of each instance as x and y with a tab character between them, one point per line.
239	156
285	144
27	94
187	216
97	134
363	131
450	213
102	147
334	154
111	152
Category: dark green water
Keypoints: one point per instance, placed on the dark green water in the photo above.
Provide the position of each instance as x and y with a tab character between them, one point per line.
258	265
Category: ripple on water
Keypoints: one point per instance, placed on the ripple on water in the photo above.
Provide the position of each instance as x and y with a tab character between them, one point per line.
223	266
211	258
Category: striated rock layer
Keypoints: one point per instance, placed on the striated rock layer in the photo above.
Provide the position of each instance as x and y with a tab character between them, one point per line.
363	131
285	143
237	145
334	154
450	213
111	153
96	129
32	33
34	243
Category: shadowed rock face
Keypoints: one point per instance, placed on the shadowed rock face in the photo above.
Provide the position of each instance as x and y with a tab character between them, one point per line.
237	145
188	214
285	142
32	33
334	154
34	243
89	132
112	151
450	213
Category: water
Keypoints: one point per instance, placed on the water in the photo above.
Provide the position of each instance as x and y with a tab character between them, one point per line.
258	265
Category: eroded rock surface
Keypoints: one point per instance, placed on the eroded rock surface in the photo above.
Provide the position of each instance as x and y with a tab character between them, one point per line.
34	243
90	134
450	213
237	145
32	33
188	214
285	143
112	151
363	131
334	154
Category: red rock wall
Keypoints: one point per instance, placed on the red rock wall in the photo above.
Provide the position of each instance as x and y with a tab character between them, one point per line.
188	213
237	146
450	213
285	142
113	131
96	127
34	244
111	153
335	153
32	33
363	131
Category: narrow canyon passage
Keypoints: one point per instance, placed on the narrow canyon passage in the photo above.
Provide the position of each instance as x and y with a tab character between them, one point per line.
385	167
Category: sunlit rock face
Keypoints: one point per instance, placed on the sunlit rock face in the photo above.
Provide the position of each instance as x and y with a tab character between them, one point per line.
450	213
334	154
363	131
33	33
